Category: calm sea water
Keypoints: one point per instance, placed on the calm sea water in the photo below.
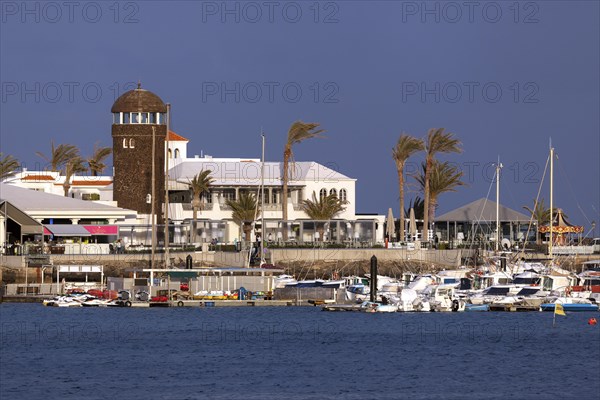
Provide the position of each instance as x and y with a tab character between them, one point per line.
294	353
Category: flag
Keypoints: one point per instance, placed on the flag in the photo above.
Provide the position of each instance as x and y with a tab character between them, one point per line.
559	309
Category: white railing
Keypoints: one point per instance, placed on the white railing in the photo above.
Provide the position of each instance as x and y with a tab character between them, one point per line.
572	249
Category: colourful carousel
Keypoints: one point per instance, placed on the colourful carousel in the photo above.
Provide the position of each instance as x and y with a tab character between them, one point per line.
561	229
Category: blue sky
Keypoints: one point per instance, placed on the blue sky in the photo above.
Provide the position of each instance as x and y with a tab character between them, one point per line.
504	77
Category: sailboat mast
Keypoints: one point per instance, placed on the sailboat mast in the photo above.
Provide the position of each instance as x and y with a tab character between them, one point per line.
498	166
262	201
551	199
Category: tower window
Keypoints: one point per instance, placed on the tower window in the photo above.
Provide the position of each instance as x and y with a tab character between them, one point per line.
135	118
153	118
125	143
126	118
131	143
144	119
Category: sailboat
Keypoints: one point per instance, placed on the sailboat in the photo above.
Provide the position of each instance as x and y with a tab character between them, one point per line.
261	248
569	303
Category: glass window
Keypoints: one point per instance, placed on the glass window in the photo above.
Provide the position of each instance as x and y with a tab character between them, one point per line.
343	195
153	118
144	119
176	153
322	193
333	192
126	119
135	118
274	197
163	119
116	118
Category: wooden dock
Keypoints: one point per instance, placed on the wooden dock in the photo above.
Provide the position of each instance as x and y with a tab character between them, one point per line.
510	307
231	303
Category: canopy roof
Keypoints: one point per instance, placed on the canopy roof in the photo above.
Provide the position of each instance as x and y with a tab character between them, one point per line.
560	225
29	226
482	210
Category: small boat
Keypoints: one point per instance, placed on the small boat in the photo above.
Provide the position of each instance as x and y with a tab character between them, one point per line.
369	306
477	307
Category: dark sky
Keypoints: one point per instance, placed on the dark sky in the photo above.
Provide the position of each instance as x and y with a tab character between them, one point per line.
504	77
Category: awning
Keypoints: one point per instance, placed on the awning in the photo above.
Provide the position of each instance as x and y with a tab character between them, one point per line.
108	230
66	230
29	226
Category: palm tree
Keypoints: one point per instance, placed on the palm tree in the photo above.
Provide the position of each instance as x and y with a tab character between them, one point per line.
245	212
298	132
323	209
96	161
199	185
437	142
59	155
8	166
444	177
541	214
404	148
419	207
73	166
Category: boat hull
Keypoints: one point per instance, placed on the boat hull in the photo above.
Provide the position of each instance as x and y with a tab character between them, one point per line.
570	307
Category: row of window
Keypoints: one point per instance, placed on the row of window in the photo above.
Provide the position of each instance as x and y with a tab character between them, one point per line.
333	192
126	118
177	154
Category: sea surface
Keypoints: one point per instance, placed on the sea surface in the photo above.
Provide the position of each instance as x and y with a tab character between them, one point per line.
294	353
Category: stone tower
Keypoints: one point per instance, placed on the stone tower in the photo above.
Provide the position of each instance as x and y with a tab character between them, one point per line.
138	116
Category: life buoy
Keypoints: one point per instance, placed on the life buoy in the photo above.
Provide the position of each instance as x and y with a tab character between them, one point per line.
180	303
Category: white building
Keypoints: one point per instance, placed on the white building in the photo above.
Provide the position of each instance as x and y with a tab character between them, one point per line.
232	176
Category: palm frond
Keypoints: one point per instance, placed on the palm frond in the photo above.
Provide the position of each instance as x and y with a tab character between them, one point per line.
244	208
323	209
8	166
96	160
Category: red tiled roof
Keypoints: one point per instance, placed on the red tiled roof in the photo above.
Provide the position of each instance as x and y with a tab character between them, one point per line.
38	178
91	182
176	138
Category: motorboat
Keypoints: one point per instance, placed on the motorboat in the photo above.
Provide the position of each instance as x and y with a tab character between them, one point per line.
284	280
493	294
528	298
63	301
443	299
570	304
